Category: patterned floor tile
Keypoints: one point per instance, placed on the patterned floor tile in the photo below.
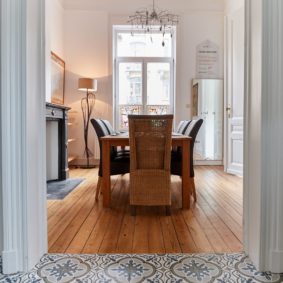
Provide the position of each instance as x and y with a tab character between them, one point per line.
149	268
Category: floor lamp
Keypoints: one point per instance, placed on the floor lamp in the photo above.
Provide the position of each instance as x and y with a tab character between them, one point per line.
87	105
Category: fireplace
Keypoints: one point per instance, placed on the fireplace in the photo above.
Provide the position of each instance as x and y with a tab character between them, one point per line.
56	142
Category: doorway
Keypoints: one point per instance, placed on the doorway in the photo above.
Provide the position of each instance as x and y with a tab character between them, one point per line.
136	74
37	225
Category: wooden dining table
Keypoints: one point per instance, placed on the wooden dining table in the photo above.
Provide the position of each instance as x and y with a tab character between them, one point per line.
123	141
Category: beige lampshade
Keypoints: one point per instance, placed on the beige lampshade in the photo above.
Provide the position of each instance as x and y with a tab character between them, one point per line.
87	84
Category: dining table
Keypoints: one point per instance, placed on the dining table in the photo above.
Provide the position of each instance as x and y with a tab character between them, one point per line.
122	140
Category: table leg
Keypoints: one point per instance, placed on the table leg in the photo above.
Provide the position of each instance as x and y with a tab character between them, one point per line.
186	186
106	173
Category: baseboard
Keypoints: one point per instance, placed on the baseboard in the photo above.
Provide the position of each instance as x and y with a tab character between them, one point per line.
9	262
234	172
81	162
276	262
208	162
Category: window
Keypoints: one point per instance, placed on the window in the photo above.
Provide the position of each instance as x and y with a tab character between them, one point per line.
143	75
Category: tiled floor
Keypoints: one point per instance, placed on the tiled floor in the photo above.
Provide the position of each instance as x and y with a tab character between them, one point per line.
150	268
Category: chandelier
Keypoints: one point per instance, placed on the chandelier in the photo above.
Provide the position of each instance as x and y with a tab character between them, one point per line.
149	21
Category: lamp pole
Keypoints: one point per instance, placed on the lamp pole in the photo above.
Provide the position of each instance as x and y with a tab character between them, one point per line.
87	106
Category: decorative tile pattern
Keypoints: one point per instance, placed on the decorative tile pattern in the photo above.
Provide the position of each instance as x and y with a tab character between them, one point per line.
131	269
63	270
197	269
148	268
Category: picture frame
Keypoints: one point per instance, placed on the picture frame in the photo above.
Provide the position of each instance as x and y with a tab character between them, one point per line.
57	79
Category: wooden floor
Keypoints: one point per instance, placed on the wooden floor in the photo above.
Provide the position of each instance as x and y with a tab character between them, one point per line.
78	224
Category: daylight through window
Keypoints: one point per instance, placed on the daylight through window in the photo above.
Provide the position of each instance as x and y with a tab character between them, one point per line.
144	75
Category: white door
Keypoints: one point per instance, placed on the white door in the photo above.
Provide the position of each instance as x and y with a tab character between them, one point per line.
234	96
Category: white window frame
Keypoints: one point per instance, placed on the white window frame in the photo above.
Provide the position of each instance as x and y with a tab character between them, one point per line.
144	61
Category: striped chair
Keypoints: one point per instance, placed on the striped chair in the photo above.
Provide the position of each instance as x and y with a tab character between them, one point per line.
119	162
176	161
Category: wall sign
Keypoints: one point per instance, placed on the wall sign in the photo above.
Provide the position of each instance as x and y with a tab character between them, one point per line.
207	60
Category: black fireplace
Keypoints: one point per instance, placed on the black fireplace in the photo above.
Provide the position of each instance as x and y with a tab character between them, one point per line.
57	142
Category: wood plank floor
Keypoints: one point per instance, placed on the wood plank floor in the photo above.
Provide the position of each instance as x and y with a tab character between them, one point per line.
79	224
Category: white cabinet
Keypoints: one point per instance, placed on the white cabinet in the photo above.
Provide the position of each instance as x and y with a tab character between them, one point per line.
208	105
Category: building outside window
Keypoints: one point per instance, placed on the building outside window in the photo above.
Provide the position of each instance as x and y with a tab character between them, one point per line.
143	74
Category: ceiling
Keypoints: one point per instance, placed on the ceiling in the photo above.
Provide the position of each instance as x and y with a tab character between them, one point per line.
129	6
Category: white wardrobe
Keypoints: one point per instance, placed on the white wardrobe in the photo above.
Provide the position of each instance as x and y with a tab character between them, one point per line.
208	105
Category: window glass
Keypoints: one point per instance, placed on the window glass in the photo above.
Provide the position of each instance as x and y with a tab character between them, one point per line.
124	111
143	45
158	84
143	75
130	83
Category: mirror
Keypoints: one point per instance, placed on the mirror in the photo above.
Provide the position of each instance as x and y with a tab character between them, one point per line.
207	103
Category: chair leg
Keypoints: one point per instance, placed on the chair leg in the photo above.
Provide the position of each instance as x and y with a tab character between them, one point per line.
98	187
194	190
133	210
168	210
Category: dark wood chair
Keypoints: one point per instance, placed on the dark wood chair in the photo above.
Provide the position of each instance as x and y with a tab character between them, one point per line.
119	162
150	147
181	129
111	131
108	127
176	158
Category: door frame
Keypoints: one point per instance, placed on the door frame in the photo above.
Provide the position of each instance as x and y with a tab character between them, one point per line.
230	123
23	129
23	136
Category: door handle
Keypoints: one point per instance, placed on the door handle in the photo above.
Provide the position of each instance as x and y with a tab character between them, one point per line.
229	110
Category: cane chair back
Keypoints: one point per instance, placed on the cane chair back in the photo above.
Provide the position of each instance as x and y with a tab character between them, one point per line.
150	149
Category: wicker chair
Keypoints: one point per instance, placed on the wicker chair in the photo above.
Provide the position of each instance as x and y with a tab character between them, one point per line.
176	160
119	162
150	148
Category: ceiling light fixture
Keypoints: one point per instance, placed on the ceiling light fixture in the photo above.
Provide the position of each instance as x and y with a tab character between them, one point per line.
153	20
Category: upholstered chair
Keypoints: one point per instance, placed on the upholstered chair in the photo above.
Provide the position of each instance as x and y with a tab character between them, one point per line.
176	161
119	162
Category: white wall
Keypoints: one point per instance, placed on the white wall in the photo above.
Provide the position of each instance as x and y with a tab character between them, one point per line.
129	6
87	51
233	5
54	26
193	29
86	42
